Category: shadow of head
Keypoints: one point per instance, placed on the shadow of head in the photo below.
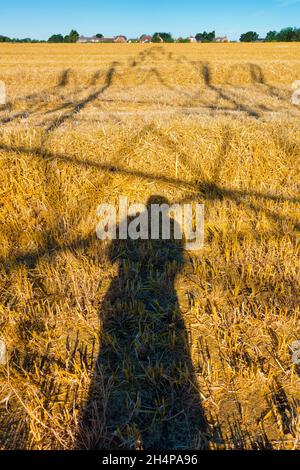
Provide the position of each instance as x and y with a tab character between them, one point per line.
163	228
156	199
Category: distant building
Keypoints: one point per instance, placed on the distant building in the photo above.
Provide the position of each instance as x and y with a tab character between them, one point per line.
104	40
192	39
145	39
85	39
120	38
222	39
95	39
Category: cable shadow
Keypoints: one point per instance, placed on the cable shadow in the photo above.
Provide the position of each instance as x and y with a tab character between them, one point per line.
206	74
205	188
80	105
213	192
257	77
154	53
8	119
63	81
36	99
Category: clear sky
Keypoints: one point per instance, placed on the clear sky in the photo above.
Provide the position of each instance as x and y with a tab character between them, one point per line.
41	18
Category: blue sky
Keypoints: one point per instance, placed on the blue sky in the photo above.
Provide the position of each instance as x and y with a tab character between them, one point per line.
41	18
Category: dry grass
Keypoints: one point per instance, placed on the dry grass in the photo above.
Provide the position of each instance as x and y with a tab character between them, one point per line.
85	124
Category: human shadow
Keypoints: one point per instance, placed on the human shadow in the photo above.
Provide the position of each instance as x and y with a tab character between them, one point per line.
144	391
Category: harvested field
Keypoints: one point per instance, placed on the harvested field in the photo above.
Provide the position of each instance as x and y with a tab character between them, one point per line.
198	355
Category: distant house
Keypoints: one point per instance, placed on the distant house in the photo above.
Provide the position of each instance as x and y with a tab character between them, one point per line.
107	40
95	39
145	39
120	38
222	39
192	39
85	39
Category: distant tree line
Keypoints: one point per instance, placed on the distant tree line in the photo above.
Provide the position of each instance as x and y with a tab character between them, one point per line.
200	37
157	37
27	40
71	37
165	37
284	35
250	36
206	37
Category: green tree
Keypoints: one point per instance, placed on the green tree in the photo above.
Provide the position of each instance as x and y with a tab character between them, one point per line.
206	37
156	38
289	35
99	36
73	36
183	40
271	36
166	37
297	35
4	39
250	36
56	38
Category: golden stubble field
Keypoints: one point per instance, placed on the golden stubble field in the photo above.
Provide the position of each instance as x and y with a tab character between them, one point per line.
194	349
